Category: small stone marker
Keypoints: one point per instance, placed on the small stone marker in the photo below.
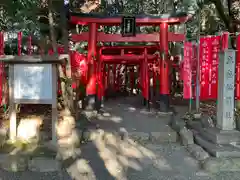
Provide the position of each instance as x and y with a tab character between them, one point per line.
226	82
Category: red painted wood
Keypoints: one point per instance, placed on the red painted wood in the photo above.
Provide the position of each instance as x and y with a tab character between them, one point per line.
102	37
118	20
164	66
19	43
92	52
126	58
146	74
136	47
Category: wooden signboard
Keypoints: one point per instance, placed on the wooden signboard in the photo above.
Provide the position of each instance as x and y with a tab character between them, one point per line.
33	80
33	83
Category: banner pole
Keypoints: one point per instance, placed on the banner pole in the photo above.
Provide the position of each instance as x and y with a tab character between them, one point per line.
198	66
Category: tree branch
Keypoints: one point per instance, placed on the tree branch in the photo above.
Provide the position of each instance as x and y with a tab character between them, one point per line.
220	9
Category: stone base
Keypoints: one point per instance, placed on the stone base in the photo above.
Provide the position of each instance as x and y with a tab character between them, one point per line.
217	150
216	165
218	136
218	143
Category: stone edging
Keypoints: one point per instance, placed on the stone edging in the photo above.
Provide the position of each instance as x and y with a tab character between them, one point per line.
17	163
208	163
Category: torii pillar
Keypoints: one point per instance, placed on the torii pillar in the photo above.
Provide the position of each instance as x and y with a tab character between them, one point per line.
164	68
91	89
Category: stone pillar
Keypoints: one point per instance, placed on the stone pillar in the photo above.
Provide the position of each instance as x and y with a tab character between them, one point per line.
164	69
92	52
226	82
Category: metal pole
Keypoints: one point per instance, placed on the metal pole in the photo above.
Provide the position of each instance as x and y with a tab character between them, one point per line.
198	66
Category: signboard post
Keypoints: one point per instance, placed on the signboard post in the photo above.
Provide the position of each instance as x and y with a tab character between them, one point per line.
226	82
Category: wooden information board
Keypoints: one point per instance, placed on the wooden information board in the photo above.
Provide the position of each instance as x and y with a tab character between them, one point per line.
33	80
33	83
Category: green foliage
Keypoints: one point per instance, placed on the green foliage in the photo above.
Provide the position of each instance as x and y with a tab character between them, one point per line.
31	16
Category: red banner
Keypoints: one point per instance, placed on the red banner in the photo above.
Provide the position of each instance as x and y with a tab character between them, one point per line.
237	89
213	67
225	39
209	50
20	43
187	70
204	60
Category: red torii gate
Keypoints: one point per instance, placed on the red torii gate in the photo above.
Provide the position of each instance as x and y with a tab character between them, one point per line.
163	37
130	55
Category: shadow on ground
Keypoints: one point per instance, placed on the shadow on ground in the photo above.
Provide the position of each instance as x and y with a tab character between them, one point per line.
115	152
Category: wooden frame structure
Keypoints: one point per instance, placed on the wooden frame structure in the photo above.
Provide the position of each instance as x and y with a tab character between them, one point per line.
163	38
53	60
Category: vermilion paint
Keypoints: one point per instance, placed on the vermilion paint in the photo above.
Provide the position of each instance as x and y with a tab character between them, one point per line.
19	43
237	88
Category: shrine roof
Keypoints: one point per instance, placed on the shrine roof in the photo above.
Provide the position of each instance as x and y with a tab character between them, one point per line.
141	19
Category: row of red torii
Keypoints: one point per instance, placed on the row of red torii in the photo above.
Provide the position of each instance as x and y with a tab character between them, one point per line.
93	67
146	54
97	57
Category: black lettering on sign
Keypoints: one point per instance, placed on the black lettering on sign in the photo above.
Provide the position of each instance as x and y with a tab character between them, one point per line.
229	73
230	60
228	100
230	87
128	26
228	115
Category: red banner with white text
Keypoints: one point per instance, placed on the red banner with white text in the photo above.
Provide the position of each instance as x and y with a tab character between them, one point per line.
209	58
213	67
187	70
237	86
204	57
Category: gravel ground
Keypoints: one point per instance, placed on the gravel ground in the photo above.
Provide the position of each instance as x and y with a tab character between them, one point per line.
105	161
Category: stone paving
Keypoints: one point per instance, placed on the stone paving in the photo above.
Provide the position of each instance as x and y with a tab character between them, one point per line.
112	156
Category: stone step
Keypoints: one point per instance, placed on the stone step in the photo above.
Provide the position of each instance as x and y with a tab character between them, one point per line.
219	136
216	135
217	150
154	137
142	137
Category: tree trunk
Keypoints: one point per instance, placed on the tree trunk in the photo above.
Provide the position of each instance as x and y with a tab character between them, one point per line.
64	26
54	46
